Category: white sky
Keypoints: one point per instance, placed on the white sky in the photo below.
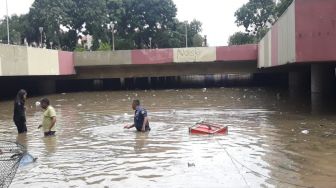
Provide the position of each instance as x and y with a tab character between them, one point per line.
217	16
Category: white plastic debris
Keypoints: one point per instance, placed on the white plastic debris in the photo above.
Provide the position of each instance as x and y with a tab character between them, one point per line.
204	90
206	98
37	103
305	132
79	105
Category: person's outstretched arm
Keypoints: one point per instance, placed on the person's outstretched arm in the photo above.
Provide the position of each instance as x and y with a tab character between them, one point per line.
128	126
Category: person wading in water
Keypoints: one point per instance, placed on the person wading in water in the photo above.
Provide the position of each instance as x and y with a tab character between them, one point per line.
20	111
141	122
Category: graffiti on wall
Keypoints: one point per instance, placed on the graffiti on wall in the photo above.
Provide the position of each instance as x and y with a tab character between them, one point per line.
182	55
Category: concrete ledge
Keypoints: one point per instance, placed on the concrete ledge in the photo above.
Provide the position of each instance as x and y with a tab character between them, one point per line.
131	71
98	58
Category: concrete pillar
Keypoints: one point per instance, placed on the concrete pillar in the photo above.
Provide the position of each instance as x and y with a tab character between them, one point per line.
46	86
98	84
149	82
298	82
322	79
122	83
322	88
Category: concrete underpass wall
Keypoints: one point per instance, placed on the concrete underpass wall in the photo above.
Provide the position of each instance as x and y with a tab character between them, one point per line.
27	61
278	45
101	58
237	53
241	53
305	33
191	55
157	56
166	62
42	62
13	60
66	63
315	30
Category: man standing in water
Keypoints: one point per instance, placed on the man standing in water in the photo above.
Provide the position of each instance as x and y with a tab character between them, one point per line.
49	118
141	122
20	111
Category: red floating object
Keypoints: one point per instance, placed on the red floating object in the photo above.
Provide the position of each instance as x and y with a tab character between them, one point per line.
208	128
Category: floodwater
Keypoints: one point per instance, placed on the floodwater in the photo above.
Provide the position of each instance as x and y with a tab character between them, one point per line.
266	145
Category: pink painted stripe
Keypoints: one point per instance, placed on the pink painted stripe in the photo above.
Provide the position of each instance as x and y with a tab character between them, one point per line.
237	53
155	56
66	63
275	52
315	30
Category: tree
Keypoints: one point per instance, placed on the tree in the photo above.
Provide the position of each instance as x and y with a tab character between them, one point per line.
16	29
64	21
49	14
140	20
240	38
256	16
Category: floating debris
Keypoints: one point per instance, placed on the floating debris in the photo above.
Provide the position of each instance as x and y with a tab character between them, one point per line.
204	90
37	103
305	132
79	105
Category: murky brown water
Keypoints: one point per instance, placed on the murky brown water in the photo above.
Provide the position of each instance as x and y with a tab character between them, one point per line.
92	149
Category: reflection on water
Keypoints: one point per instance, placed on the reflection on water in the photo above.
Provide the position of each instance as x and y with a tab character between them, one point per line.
91	148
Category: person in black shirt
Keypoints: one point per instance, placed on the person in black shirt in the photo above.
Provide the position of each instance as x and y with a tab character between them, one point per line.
141	122
20	111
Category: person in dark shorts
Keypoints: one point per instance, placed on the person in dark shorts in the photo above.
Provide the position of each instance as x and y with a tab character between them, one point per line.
141	122
20	111
49	118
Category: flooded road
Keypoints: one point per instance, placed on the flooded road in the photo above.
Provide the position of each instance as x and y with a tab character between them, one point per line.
265	146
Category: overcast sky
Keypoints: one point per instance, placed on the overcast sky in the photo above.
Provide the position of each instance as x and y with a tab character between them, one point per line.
217	16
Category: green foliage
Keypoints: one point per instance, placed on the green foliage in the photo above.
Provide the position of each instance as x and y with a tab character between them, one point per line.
240	38
103	46
17	26
256	15
79	48
135	22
